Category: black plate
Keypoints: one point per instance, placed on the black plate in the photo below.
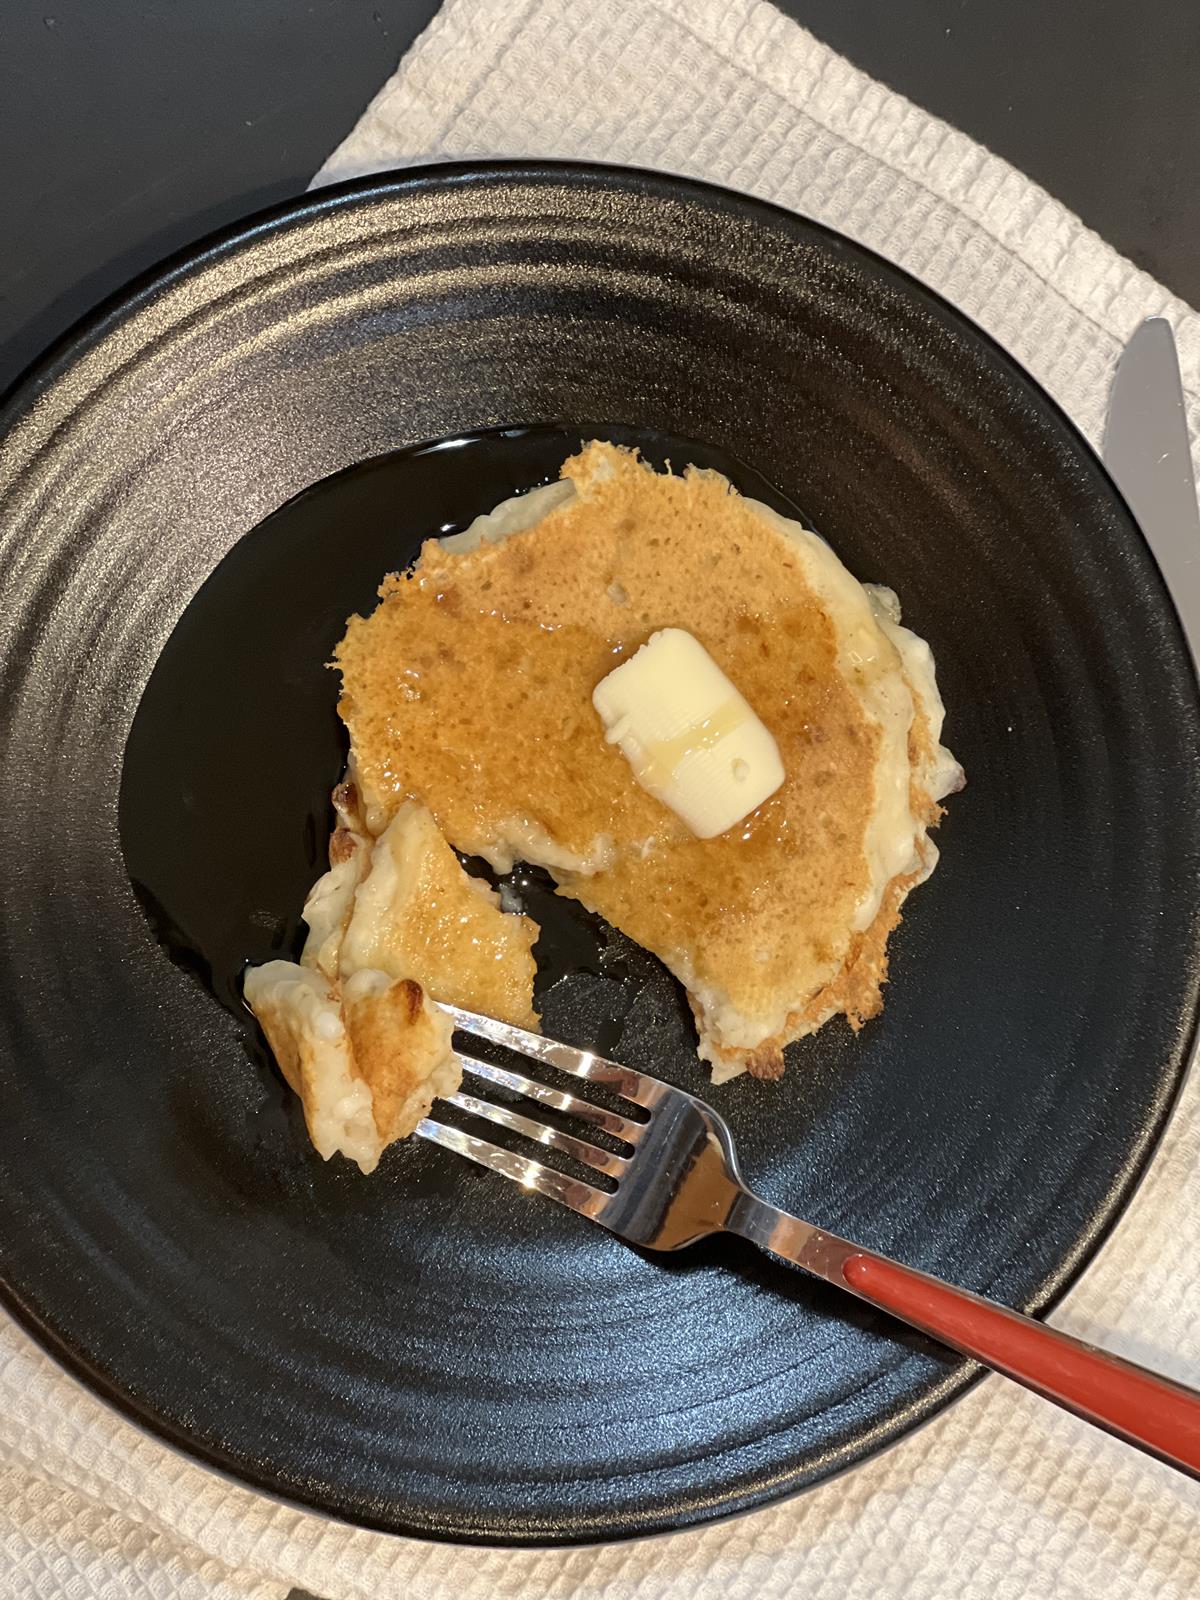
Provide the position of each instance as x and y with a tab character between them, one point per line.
427	1350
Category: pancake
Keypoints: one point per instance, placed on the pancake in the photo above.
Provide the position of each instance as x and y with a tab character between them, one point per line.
416	914
366	1057
469	691
395	926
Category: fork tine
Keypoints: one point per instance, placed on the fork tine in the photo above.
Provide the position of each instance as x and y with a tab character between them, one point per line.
603	1160
620	1127
632	1085
571	1192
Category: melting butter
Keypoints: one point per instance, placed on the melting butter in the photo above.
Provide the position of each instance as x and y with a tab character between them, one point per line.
694	742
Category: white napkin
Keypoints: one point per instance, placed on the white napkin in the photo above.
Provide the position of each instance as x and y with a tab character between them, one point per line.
1002	1496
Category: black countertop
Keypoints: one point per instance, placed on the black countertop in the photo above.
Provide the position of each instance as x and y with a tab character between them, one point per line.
129	128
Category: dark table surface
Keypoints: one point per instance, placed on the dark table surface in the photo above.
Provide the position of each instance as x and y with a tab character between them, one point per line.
129	128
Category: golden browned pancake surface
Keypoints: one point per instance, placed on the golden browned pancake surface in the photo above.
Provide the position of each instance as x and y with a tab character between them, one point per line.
418	915
469	688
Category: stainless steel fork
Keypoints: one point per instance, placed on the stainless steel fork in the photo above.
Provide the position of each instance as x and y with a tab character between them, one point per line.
677	1180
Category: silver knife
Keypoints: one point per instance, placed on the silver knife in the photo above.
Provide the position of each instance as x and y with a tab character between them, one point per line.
1146	449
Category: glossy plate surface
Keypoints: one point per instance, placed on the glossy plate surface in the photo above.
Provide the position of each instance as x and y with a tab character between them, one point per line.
425	1350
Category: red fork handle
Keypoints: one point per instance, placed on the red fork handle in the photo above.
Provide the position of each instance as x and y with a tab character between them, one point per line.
1154	1413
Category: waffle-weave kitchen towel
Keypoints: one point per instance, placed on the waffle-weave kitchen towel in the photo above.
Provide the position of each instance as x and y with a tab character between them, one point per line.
1002	1497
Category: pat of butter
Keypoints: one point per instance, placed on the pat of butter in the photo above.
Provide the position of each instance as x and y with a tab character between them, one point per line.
692	740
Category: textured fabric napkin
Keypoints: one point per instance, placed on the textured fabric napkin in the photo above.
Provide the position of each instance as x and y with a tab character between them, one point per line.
1002	1496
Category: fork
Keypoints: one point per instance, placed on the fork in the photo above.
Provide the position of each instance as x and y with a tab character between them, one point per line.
680	1182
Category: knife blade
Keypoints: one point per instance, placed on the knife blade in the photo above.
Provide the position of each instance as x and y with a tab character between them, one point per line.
1147	451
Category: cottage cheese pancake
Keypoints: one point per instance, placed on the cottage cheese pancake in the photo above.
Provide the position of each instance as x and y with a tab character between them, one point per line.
469	691
395	926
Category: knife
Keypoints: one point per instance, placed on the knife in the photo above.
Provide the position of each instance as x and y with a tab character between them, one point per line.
1146	449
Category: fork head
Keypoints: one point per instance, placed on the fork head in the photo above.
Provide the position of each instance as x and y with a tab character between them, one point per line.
674	1176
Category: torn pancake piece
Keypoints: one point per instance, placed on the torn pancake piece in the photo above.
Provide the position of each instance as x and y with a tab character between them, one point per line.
395	926
366	1062
417	914
400	1045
